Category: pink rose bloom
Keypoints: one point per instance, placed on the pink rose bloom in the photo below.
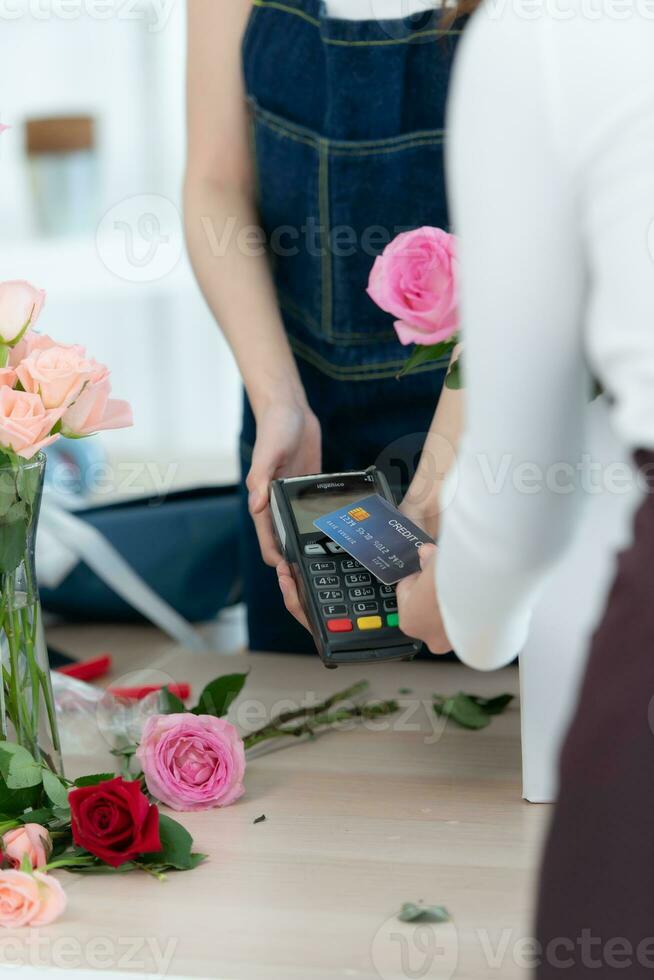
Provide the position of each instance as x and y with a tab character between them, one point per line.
94	410
57	374
29	899
20	306
7	377
30	840
30	342
415	279
192	762
25	424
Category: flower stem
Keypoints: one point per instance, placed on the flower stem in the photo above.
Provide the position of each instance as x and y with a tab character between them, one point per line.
321	719
354	691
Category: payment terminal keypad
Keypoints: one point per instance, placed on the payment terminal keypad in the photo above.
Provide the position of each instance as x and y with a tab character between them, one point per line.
350	598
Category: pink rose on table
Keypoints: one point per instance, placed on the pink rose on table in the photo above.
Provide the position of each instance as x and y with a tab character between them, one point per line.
415	279
7	377
25	424
20	306
192	762
94	410
57	374
29	899
32	841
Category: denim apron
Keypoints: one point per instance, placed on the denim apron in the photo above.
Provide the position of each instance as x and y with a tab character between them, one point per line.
347	129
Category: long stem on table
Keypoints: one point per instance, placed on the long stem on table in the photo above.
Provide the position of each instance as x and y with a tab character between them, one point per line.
321	719
354	691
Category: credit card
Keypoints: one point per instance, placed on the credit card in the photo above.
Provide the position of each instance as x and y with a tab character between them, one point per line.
378	535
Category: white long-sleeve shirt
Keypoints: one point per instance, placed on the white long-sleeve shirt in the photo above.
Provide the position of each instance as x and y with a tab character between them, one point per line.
551	170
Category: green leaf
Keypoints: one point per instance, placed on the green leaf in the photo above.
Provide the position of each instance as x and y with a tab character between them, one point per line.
412	912
219	694
43	816
493	706
55	789
176	846
425	353
18	768
405	690
454	379
7	491
15	802
13	538
94	779
28	481
170	703
463	710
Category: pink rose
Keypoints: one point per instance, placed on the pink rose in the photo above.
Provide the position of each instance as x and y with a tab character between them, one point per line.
57	374
415	279
25	424
192	762
20	306
29	899
30	840
7	377
30	342
94	410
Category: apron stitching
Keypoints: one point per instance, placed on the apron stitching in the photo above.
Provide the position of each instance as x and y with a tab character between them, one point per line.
304	135
287	10
358	372
341	42
286	303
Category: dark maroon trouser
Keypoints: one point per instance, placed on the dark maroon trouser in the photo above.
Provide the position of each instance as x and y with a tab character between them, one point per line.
596	907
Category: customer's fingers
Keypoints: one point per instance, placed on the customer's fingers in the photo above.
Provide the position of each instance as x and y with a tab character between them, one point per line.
425	553
290	594
269	548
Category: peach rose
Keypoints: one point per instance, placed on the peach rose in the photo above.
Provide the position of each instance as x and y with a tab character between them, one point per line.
7	377
20	306
94	410
29	899
415	279
32	841
57	374
25	424
30	342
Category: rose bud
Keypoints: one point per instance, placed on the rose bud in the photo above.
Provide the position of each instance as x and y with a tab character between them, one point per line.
32	841
20	306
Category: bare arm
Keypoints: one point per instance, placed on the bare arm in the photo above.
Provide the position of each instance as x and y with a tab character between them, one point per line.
226	248
423	503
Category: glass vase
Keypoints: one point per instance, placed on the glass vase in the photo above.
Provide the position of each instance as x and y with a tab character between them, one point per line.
27	712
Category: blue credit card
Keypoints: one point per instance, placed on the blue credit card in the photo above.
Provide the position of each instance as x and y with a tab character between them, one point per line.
378	535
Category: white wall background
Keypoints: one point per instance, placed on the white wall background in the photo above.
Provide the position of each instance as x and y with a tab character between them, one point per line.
122	62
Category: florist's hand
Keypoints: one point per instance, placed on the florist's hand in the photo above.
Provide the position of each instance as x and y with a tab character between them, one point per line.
288	443
290	593
418	606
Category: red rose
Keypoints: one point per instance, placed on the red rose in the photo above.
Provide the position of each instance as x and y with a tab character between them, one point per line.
114	821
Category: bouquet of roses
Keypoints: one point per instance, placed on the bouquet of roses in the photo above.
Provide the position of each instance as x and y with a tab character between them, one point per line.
415	279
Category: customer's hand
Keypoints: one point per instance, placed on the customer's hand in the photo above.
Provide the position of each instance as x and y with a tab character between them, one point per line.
290	593
288	443
418	606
